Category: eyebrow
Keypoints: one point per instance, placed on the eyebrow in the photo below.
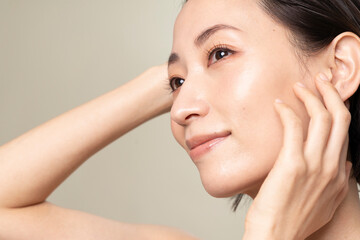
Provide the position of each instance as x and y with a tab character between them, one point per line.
205	35
202	38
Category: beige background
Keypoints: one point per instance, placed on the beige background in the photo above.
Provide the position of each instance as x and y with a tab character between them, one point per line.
55	55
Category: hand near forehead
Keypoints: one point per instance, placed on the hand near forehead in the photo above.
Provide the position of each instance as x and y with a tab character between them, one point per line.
309	179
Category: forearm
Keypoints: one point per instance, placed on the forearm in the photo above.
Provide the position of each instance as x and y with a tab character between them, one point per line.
34	164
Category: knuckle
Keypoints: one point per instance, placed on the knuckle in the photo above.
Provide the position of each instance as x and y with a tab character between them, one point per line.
295	123
331	173
344	117
342	181
315	167
325	117
297	168
315	170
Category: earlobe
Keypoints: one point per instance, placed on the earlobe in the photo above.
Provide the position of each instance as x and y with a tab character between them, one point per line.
346	64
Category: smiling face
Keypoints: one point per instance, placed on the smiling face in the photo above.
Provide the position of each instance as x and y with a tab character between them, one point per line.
229	62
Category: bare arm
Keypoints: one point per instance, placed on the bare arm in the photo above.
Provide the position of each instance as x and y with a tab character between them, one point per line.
34	164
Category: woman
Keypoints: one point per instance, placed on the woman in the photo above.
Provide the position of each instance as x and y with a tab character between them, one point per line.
230	61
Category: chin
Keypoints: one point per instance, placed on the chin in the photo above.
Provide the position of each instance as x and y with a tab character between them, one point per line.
240	172
223	185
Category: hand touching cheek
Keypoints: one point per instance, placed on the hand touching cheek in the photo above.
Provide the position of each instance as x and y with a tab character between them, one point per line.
310	178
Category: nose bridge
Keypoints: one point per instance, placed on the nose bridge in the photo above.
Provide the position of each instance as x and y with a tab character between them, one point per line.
191	101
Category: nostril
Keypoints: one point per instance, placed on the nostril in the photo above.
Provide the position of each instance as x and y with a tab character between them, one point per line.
190	116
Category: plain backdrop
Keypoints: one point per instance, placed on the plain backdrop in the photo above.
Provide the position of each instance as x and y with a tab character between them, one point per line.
58	54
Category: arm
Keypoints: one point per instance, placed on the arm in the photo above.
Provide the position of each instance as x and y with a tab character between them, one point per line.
34	164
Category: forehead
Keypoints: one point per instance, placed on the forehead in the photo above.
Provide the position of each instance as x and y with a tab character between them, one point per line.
198	15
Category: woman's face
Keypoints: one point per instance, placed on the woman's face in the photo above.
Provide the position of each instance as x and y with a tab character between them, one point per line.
223	113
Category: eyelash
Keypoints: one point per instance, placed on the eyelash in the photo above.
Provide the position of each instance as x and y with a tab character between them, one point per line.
216	48
171	81
209	53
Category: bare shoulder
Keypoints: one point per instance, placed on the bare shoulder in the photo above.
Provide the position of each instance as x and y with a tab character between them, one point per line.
47	221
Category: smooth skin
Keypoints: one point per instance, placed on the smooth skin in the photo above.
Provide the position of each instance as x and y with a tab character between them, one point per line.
287	205
237	56
235	93
41	220
325	168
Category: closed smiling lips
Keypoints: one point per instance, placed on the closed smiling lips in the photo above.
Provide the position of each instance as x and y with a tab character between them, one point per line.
201	144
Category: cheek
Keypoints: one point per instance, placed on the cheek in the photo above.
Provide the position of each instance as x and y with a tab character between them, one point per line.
245	161
249	155
178	133
257	132
241	98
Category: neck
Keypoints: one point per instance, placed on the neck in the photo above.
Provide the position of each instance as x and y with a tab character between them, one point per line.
346	221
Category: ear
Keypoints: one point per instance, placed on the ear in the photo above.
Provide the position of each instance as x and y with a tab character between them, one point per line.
345	64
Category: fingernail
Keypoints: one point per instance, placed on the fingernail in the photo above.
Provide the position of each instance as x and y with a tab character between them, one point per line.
300	84
278	101
323	77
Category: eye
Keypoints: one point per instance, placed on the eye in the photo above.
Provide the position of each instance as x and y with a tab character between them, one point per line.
176	82
218	54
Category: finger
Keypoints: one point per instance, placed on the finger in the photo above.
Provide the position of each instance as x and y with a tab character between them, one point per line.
293	131
340	115
319	126
344	155
348	168
343	192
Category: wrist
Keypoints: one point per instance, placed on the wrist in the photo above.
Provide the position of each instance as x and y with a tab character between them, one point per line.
152	88
270	230
259	232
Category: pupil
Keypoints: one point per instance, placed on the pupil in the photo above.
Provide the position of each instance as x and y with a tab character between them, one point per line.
180	82
221	54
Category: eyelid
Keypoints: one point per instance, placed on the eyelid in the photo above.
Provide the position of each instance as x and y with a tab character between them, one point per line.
215	47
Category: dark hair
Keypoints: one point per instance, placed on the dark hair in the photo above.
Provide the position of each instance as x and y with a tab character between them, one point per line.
313	25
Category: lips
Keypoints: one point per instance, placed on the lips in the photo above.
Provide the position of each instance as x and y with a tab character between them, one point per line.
201	144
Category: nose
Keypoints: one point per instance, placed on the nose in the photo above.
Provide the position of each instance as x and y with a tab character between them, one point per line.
189	104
